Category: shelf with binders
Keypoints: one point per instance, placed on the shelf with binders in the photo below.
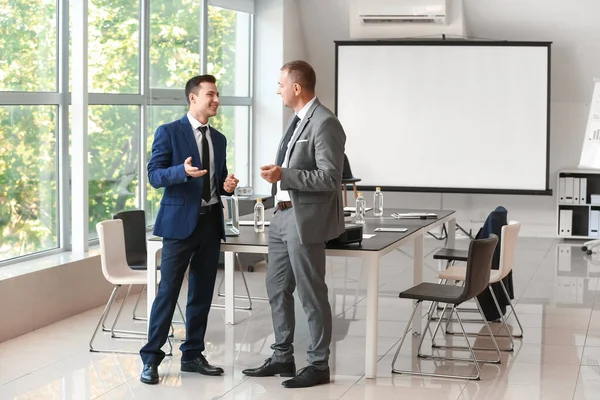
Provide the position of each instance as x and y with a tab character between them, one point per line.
578	208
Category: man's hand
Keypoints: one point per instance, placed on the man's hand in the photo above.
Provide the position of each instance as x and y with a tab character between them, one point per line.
271	173
194	172
230	183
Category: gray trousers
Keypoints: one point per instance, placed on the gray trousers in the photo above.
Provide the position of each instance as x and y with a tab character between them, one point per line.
291	265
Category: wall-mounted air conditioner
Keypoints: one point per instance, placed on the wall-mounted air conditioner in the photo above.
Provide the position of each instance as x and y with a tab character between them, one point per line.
385	19
401	11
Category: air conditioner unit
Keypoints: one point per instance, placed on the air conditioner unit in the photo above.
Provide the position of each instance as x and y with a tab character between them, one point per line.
401	11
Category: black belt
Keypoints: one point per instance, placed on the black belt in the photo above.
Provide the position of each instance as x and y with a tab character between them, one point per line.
207	209
284	205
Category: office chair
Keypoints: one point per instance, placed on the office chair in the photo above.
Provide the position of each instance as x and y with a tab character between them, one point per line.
458	273
116	271
134	227
478	271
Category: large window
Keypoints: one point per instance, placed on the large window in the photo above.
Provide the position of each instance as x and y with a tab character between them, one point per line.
114	143
229	39
28	190
174	42
131	91
28	45
113	62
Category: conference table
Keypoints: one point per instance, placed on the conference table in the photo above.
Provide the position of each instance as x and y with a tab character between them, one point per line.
370	251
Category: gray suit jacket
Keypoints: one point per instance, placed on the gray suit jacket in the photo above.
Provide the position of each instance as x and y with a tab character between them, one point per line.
314	175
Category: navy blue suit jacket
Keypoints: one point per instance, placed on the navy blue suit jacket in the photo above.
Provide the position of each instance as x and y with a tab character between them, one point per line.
180	205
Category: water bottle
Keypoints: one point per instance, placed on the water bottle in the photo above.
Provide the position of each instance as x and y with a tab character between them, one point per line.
378	203
361	206
259	216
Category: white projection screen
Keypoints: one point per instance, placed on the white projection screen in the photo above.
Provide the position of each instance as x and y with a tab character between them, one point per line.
446	116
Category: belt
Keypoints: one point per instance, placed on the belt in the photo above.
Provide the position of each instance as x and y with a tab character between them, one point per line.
207	209
283	205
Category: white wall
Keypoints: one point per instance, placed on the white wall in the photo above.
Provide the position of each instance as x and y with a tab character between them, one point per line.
573	29
278	39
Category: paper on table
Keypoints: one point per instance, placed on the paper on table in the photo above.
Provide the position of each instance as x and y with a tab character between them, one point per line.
251	223
368	235
353	209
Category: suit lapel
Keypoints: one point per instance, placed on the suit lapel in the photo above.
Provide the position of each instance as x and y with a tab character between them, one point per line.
303	124
191	139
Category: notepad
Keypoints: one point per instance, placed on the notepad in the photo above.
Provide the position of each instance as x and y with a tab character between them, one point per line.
251	223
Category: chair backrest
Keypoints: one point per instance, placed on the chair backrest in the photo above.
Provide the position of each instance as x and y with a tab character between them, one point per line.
347	172
479	266
508	243
493	224
112	249
134	227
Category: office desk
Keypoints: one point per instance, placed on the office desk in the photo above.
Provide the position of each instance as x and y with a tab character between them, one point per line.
370	251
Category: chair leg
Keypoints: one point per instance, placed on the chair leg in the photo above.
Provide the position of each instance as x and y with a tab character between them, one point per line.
505	319
345	195
102	321
246	297
137	302
355	190
473	358
512	310
512	344
408	326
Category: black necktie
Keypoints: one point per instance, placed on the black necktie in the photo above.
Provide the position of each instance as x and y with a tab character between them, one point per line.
286	140
205	165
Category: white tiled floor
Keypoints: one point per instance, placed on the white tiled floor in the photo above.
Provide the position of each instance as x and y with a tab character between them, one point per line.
558	358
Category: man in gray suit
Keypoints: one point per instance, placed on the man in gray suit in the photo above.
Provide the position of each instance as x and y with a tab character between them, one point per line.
307	187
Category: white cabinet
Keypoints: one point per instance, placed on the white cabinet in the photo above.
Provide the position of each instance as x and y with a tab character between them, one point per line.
578	204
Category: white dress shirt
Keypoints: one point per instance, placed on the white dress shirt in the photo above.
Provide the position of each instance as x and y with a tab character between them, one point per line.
283	195
198	135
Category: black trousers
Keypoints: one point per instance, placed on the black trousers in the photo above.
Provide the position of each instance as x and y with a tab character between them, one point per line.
201	251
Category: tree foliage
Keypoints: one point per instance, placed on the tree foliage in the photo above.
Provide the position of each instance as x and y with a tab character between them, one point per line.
28	134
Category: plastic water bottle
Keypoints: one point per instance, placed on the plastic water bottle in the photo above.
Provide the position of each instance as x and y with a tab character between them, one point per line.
259	216
361	206
378	203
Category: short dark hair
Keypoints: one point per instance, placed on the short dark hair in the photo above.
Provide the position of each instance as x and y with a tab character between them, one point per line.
192	85
302	73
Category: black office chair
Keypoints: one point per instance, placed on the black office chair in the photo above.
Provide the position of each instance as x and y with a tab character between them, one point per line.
134	226
479	265
348	179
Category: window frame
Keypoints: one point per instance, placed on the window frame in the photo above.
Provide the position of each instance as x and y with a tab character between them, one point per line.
145	98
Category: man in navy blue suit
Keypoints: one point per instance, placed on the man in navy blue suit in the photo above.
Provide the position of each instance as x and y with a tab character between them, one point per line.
189	161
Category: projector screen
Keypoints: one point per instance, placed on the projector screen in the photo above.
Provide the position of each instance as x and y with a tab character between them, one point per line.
446	116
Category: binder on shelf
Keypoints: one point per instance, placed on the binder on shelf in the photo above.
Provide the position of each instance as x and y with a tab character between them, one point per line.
565	222
569	190
576	190
561	189
583	191
594	219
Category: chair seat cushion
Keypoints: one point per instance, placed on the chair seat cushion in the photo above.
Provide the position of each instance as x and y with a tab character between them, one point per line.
458	273
451	255
428	291
350	180
454	273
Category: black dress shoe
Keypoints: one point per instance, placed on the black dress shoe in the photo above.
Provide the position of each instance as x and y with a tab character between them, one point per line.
150	374
201	366
272	368
307	377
